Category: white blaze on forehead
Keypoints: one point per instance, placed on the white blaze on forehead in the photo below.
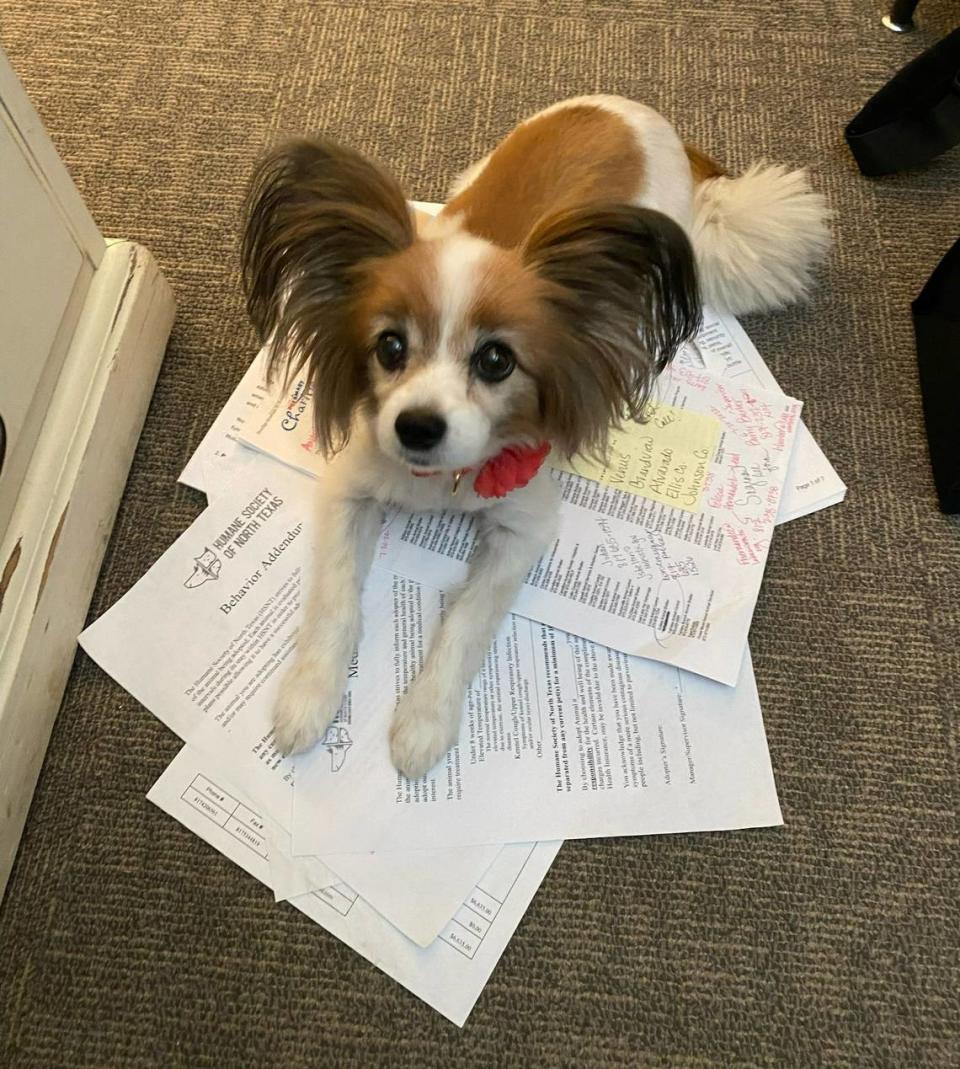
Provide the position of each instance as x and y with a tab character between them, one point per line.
440	382
462	260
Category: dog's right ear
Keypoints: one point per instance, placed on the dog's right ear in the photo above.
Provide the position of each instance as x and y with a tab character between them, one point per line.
315	212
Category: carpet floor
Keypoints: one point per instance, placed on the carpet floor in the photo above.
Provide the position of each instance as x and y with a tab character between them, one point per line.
125	941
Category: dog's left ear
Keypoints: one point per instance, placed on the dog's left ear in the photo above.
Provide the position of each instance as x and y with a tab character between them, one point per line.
621	289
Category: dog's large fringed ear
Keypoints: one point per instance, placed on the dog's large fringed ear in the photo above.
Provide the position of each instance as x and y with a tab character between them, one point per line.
621	289
315	212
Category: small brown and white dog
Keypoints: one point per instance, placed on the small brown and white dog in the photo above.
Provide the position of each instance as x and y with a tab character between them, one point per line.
535	310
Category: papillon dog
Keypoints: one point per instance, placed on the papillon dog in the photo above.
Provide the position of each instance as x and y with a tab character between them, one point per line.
447	356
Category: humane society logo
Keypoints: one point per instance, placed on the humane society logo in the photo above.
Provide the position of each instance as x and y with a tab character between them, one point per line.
206	568
230	544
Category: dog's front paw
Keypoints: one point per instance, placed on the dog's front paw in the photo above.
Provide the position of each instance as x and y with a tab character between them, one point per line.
425	725
308	701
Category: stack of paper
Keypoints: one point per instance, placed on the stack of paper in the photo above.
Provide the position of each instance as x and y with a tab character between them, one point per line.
619	699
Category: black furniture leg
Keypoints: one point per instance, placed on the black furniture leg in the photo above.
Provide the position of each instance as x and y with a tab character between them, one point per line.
900	19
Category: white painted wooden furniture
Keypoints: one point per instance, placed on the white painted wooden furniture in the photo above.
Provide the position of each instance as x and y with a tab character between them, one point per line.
83	326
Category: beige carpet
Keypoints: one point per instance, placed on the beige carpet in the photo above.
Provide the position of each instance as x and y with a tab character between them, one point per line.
125	941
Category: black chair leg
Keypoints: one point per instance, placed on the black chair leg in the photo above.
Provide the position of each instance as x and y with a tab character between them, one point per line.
900	19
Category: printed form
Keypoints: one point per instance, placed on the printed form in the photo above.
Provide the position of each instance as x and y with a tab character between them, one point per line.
662	559
582	740
450	972
673	583
723	348
201	641
572	739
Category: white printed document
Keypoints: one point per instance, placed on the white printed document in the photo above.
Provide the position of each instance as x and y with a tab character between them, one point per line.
202	637
668	582
201	641
723	348
561	738
450	973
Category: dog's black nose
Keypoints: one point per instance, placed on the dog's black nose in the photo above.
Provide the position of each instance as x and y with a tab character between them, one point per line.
419	429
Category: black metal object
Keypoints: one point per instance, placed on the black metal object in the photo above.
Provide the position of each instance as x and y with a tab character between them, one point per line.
900	19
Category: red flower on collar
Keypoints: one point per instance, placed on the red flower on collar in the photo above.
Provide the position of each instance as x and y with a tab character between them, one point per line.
510	469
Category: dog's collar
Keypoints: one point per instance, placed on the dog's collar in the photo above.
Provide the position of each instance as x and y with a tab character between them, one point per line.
513	467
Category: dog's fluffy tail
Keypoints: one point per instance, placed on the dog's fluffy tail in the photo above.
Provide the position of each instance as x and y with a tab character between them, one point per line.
758	237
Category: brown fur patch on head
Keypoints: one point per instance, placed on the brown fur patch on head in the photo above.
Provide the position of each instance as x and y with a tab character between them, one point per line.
619	297
573	155
317	215
507	295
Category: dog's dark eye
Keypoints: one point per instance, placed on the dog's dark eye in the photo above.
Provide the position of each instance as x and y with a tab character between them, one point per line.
494	361
391	350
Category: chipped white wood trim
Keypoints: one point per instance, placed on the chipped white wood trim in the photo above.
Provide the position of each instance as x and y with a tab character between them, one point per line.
52	549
